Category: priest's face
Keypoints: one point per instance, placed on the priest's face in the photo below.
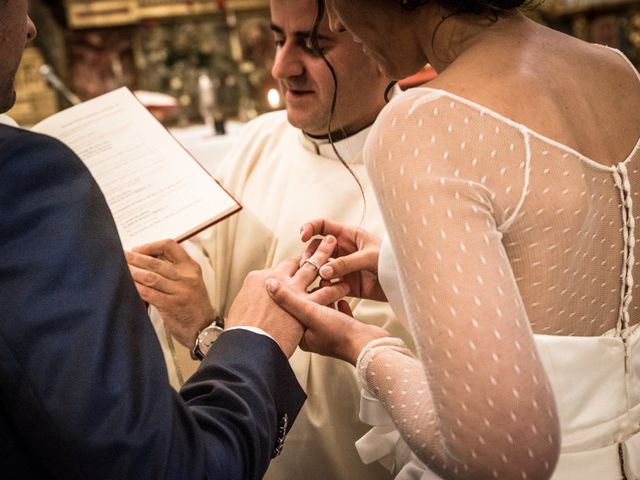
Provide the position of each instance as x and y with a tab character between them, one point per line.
305	79
16	29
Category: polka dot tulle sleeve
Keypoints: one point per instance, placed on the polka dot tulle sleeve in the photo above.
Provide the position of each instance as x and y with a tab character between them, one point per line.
497	233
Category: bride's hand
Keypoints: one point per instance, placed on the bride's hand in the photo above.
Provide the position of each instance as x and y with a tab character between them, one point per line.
253	307
328	331
356	257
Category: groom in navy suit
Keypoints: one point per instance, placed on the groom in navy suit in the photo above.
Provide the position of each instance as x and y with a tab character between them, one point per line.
83	387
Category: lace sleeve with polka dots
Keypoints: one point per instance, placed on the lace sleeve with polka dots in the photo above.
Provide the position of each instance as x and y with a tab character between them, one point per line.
451	180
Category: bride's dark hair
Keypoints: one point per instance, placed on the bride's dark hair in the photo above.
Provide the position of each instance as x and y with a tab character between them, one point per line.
490	8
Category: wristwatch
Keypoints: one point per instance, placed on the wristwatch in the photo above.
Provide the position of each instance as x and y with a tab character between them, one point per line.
206	337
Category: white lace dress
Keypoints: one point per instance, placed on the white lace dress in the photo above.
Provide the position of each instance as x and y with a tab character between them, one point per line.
511	259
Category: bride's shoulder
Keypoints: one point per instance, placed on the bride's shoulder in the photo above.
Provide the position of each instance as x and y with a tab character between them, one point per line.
419	104
435	109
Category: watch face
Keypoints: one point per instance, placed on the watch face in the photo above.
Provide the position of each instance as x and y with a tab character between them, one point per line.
205	339
208	336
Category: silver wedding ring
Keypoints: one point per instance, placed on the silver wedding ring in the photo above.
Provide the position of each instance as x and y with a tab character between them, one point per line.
313	263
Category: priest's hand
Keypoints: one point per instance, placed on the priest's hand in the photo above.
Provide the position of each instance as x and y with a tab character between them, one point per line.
170	280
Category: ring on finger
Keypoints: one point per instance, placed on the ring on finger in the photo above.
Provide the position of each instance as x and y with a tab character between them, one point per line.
313	263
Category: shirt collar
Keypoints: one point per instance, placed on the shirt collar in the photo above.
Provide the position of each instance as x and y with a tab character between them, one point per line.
7	120
349	147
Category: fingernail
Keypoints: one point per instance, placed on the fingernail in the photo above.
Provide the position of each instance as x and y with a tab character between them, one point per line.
271	285
302	260
330	239
326	272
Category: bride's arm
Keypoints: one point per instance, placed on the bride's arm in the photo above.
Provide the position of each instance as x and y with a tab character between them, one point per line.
477	404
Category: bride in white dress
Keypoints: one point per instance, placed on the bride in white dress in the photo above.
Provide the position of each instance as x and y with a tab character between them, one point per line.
509	189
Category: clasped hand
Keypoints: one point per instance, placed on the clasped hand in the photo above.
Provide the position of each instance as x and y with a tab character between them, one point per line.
329	331
169	279
253	306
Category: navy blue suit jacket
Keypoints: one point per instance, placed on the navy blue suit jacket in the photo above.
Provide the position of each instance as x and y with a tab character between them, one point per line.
83	386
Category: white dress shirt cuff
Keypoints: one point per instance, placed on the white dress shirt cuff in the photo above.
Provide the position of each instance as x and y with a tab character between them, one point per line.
257	330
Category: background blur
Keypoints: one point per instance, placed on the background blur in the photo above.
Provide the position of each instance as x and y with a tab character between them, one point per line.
208	61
